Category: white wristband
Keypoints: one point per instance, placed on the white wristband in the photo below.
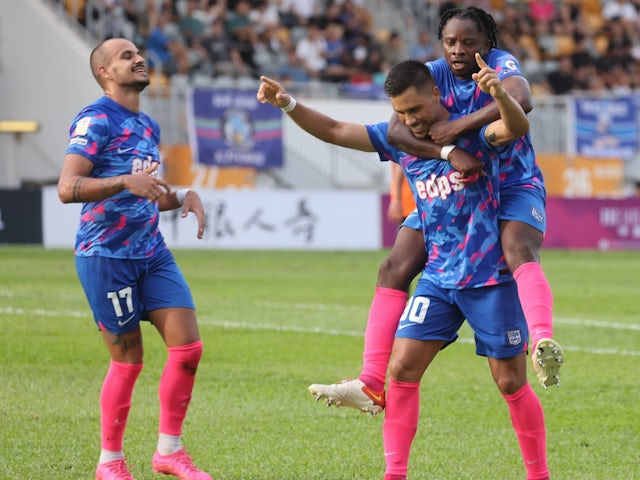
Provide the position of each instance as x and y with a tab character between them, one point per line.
181	194
445	151
290	106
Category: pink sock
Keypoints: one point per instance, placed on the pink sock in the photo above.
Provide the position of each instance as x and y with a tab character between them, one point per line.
386	307
536	299
115	402
176	386
527	418
400	425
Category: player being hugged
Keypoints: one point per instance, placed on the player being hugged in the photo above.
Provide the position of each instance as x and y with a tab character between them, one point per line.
466	276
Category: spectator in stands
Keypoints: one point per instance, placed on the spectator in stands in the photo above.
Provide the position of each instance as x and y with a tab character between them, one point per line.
546	39
332	13
623	9
297	13
585	74
366	60
164	43
560	81
393	49
423	49
356	24
515	33
269	51
192	22
223	55
311	50
580	25
240	29
335	54
293	70
264	15
612	67
542	10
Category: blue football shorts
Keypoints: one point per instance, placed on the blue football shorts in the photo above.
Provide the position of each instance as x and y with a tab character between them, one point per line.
121	292
493	312
524	204
413	220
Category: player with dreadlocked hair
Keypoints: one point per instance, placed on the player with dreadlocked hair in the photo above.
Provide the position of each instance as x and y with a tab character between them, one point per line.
485	22
464	32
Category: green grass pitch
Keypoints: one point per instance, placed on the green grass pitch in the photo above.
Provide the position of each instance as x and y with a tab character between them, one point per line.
274	322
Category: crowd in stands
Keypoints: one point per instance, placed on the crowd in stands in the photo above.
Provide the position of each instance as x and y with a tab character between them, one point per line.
564	46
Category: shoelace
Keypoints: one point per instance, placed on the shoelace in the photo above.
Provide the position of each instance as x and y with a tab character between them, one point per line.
185	461
120	467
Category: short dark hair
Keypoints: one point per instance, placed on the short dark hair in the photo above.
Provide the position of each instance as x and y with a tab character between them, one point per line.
406	74
97	58
482	19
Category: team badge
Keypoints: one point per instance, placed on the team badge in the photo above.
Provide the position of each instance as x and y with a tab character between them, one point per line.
514	337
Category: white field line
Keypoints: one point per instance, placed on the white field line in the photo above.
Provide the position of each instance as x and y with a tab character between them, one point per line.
329	331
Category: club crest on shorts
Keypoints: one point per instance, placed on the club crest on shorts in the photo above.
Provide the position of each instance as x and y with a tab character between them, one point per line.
514	337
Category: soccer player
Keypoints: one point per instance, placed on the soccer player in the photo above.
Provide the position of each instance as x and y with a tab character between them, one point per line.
126	270
464	32
466	276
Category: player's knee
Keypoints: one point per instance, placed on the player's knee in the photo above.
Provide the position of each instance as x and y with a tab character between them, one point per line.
509	383
396	274
188	355
404	371
521	244
519	253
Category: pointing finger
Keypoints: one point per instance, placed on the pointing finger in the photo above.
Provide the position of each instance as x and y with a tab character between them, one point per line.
481	63
269	81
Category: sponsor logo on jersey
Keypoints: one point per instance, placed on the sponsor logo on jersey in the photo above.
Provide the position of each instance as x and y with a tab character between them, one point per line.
78	141
82	127
441	186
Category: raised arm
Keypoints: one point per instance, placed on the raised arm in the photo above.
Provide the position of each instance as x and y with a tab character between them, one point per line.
513	121
321	126
447	132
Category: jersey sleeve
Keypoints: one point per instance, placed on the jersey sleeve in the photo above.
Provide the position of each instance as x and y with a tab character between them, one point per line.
505	64
378	136
438	69
88	134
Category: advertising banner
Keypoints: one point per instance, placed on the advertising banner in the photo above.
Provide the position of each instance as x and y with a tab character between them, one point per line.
230	128
583	177
267	220
593	224
606	127
20	216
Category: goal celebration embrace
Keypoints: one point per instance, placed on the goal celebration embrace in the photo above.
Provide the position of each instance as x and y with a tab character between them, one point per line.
481	224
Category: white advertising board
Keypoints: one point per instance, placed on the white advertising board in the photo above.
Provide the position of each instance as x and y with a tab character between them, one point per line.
258	220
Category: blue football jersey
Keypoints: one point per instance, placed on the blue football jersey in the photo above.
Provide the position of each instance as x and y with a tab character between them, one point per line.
459	221
117	141
465	96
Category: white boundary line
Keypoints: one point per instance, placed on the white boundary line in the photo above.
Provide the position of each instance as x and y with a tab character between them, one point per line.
352	333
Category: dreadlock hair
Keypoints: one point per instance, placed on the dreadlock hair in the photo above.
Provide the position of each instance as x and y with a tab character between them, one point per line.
406	74
482	19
